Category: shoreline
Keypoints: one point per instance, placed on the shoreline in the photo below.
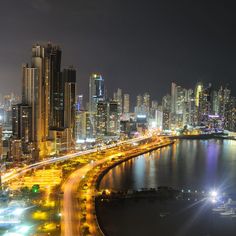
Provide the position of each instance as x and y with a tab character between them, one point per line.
204	137
82	185
104	172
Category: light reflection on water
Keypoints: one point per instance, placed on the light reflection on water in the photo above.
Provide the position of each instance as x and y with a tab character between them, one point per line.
196	164
189	164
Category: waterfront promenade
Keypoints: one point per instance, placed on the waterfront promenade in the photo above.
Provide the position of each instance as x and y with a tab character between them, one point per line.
80	188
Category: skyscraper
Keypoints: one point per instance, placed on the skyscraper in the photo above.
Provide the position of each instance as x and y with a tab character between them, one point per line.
50	94
126	103
146	103
118	97
102	118
230	115
31	94
198	90
173	97
139	102
96	91
108	118
80	103
22	122
205	104
41	88
223	100
69	78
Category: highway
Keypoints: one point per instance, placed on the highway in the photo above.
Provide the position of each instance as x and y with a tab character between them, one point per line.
70	208
70	225
21	171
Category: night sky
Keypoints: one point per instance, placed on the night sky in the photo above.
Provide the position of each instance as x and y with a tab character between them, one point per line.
136	45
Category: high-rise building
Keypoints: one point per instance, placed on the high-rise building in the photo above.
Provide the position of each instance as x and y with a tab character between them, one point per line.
173	97
84	128
126	104
146	103
53	53
69	78
50	94
153	108
40	63
139	101
96	94
22	122
102	118
31	94
223	99
96	91
15	121
190	115
108	118
166	111
198	90
230	115
142	105
166	103
178	105
15	150
205	105
215	102
118	97
80	103
114	118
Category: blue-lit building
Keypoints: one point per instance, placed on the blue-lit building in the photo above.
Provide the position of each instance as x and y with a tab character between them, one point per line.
96	91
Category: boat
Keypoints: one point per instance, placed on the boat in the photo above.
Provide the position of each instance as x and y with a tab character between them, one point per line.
220	208
230	212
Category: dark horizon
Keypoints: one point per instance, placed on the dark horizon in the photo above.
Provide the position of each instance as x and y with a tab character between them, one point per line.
129	43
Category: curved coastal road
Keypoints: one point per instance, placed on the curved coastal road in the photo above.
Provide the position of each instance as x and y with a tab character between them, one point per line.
70	207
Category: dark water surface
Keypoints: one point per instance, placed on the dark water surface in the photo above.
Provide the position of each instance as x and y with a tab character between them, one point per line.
189	164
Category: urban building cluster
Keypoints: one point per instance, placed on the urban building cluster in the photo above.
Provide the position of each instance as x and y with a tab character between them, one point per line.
51	118
204	107
43	122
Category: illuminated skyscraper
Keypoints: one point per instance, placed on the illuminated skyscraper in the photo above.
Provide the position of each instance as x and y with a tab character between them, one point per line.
69	78
139	101
31	96
114	118
126	103
96	91
56	85
102	118
96	94
80	103
108	118
173	97
146	103
118	97
230	115
166	111
138	109
50	94
22	122
223	100
198	90
205	105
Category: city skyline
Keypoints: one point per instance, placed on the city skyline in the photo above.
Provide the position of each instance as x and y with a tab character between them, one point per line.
202	49
117	118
